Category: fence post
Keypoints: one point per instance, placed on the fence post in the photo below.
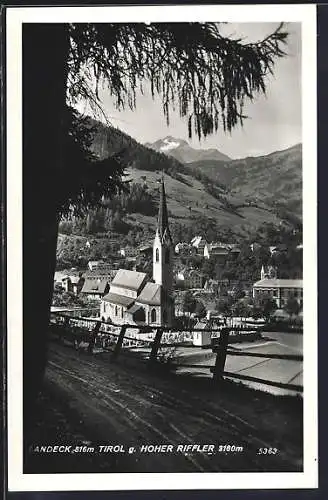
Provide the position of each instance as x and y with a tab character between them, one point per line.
221	354
63	329
155	347
93	337
119	343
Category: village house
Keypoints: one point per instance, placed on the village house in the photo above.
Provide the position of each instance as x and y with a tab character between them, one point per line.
128	251
146	249
281	290
180	278
69	281
194	279
255	246
96	283
234	249
189	278
73	283
211	285
182	248
95	287
220	251
198	243
217	251
94	264
282	248
132	299
268	272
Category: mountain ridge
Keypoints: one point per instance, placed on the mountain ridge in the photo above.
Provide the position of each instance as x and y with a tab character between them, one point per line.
182	151
221	192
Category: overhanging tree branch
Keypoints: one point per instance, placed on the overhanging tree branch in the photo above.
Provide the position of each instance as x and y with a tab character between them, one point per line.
208	75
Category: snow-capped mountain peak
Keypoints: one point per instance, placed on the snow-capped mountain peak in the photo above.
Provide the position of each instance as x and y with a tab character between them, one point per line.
169	143
182	151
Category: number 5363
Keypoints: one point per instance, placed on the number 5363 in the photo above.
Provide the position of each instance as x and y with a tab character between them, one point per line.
267	451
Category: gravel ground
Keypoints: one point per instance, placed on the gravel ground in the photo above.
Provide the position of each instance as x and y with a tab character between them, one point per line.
90	401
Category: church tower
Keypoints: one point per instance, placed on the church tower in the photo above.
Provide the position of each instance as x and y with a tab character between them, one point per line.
163	252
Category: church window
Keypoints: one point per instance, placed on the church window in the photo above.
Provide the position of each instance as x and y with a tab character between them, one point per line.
167	256
116	311
140	315
122	313
153	315
157	255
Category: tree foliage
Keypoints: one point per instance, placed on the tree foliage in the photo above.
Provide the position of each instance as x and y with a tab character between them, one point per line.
84	178
190	65
292	306
267	305
189	302
200	309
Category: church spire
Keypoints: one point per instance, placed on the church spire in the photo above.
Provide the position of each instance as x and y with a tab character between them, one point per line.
163	221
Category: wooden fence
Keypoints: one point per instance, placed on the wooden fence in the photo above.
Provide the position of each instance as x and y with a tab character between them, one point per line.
113	338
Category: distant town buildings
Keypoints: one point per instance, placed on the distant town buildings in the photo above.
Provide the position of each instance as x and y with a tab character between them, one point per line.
183	248
128	251
189	278
94	264
217	251
198	243
268	272
69	281
146	249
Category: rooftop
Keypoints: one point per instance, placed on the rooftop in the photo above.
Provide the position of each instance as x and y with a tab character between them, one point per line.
115	298
94	285
151	294
279	283
129	279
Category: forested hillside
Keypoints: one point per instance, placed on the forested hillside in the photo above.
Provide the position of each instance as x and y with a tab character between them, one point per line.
221	200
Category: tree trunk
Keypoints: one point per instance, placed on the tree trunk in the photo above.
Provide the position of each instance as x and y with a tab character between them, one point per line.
45	50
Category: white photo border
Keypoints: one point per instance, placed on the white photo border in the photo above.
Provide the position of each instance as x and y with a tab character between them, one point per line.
17	481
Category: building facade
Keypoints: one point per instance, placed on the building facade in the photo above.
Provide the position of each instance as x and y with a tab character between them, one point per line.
281	290
198	243
132	299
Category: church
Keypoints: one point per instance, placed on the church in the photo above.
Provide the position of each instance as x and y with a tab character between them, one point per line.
132	298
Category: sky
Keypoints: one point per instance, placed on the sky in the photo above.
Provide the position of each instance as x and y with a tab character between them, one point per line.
274	121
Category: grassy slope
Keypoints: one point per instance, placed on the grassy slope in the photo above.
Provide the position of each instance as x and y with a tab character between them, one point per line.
181	196
273	178
246	180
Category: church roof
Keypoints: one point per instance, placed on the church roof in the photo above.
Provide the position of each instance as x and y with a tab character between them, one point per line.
121	300
151	294
163	220
129	279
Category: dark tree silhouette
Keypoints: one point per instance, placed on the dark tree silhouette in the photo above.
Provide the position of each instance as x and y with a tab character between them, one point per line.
200	309
189	302
191	65
292	307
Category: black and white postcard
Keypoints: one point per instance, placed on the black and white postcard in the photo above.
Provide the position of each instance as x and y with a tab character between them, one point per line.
161	214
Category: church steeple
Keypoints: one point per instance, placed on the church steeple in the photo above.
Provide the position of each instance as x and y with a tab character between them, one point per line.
163	229
163	252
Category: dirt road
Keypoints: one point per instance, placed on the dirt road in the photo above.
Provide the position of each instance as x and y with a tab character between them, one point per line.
126	406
